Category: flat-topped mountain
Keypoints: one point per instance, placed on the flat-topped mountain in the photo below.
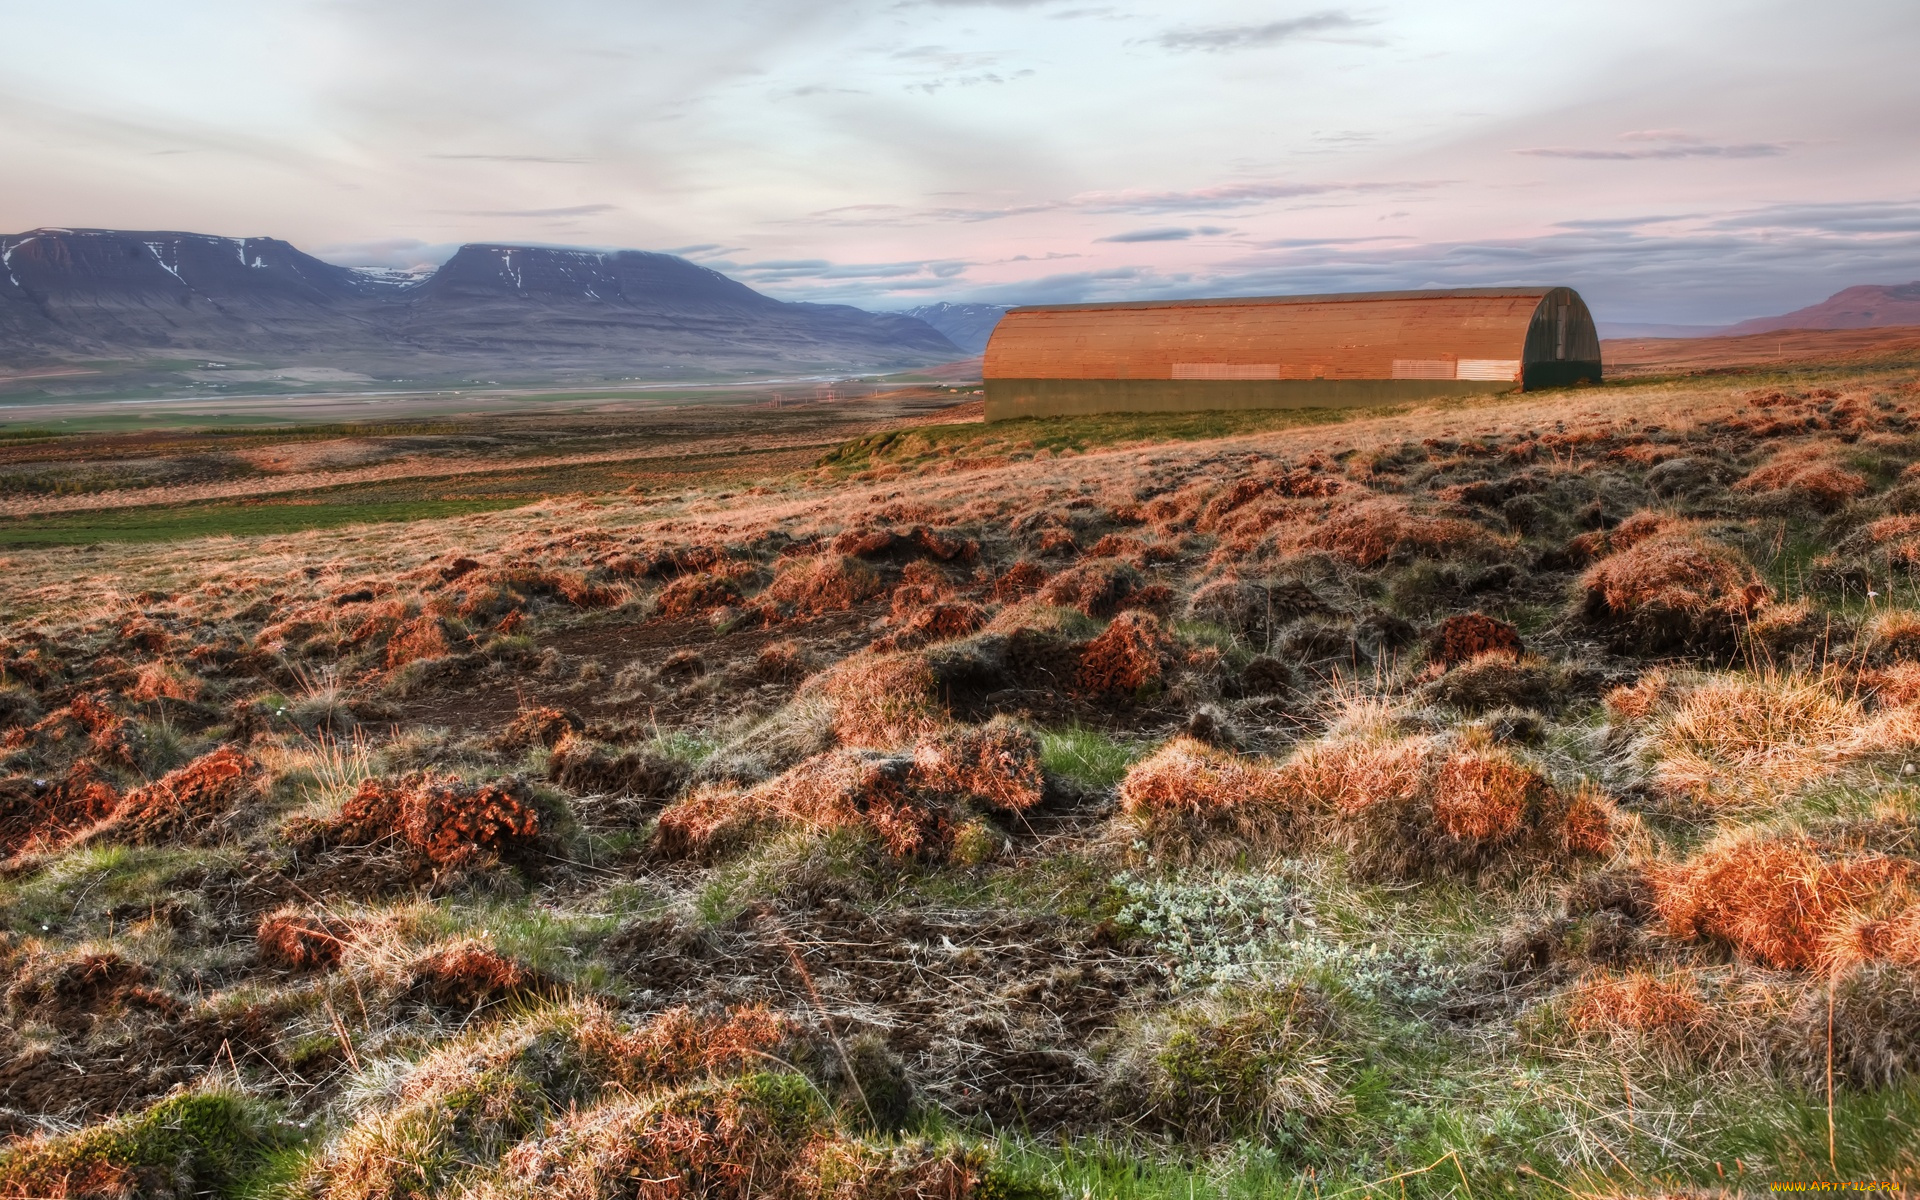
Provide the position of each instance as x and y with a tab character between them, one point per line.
1867	306
494	308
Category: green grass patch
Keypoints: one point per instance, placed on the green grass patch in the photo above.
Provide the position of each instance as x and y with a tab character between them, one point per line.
1028	436
1091	757
172	523
76	892
202	1143
552	940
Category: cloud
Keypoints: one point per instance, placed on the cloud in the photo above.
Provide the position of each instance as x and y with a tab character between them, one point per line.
1845	219
1673	143
1742	150
1177	233
1660	268
1144	203
1312	27
505	158
577	210
401	253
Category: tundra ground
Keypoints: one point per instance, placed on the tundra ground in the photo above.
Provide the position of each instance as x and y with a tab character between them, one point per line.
1514	796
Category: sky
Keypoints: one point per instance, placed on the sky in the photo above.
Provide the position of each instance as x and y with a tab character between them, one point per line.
1677	161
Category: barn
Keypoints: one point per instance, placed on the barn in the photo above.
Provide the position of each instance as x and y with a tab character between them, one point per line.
1286	351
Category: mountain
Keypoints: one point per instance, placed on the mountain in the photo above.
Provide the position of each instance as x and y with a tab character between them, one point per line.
490	308
1641	329
1867	306
967	326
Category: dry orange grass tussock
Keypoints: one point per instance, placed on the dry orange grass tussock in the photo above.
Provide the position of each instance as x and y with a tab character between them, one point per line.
931	623
1402	806
39	818
914	805
1467	636
468	974
879	700
1810	472
1188	788
1678	571
693	595
1742	741
1777	901
1379	530
1640	1006
755	1138
820	584
1128	656
1097	587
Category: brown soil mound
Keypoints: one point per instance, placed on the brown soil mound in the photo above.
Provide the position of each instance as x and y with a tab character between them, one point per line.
1469	635
581	766
1128	656
469	975
444	820
1097	587
187	804
302	942
36	812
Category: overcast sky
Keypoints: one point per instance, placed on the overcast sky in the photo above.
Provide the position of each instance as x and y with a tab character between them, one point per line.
1675	160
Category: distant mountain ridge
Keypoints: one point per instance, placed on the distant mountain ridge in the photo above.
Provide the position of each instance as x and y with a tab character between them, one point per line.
965	325
500	308
1867	306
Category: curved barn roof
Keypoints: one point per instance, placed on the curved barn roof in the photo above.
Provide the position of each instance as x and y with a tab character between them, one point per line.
1491	338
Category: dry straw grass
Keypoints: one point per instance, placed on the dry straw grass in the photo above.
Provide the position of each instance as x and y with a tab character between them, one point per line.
1741	742
914	805
1777	901
1402	806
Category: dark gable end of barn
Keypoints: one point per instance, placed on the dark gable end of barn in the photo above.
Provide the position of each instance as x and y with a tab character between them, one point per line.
1286	351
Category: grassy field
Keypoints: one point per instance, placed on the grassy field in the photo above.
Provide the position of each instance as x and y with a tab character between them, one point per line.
1501	798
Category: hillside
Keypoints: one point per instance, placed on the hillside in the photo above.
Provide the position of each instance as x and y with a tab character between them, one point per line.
1498	797
1863	307
512	309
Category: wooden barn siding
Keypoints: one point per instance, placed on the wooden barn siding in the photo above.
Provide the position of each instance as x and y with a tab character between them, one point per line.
1334	340
1010	398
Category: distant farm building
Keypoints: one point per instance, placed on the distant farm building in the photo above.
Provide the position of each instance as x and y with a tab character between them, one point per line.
1286	351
